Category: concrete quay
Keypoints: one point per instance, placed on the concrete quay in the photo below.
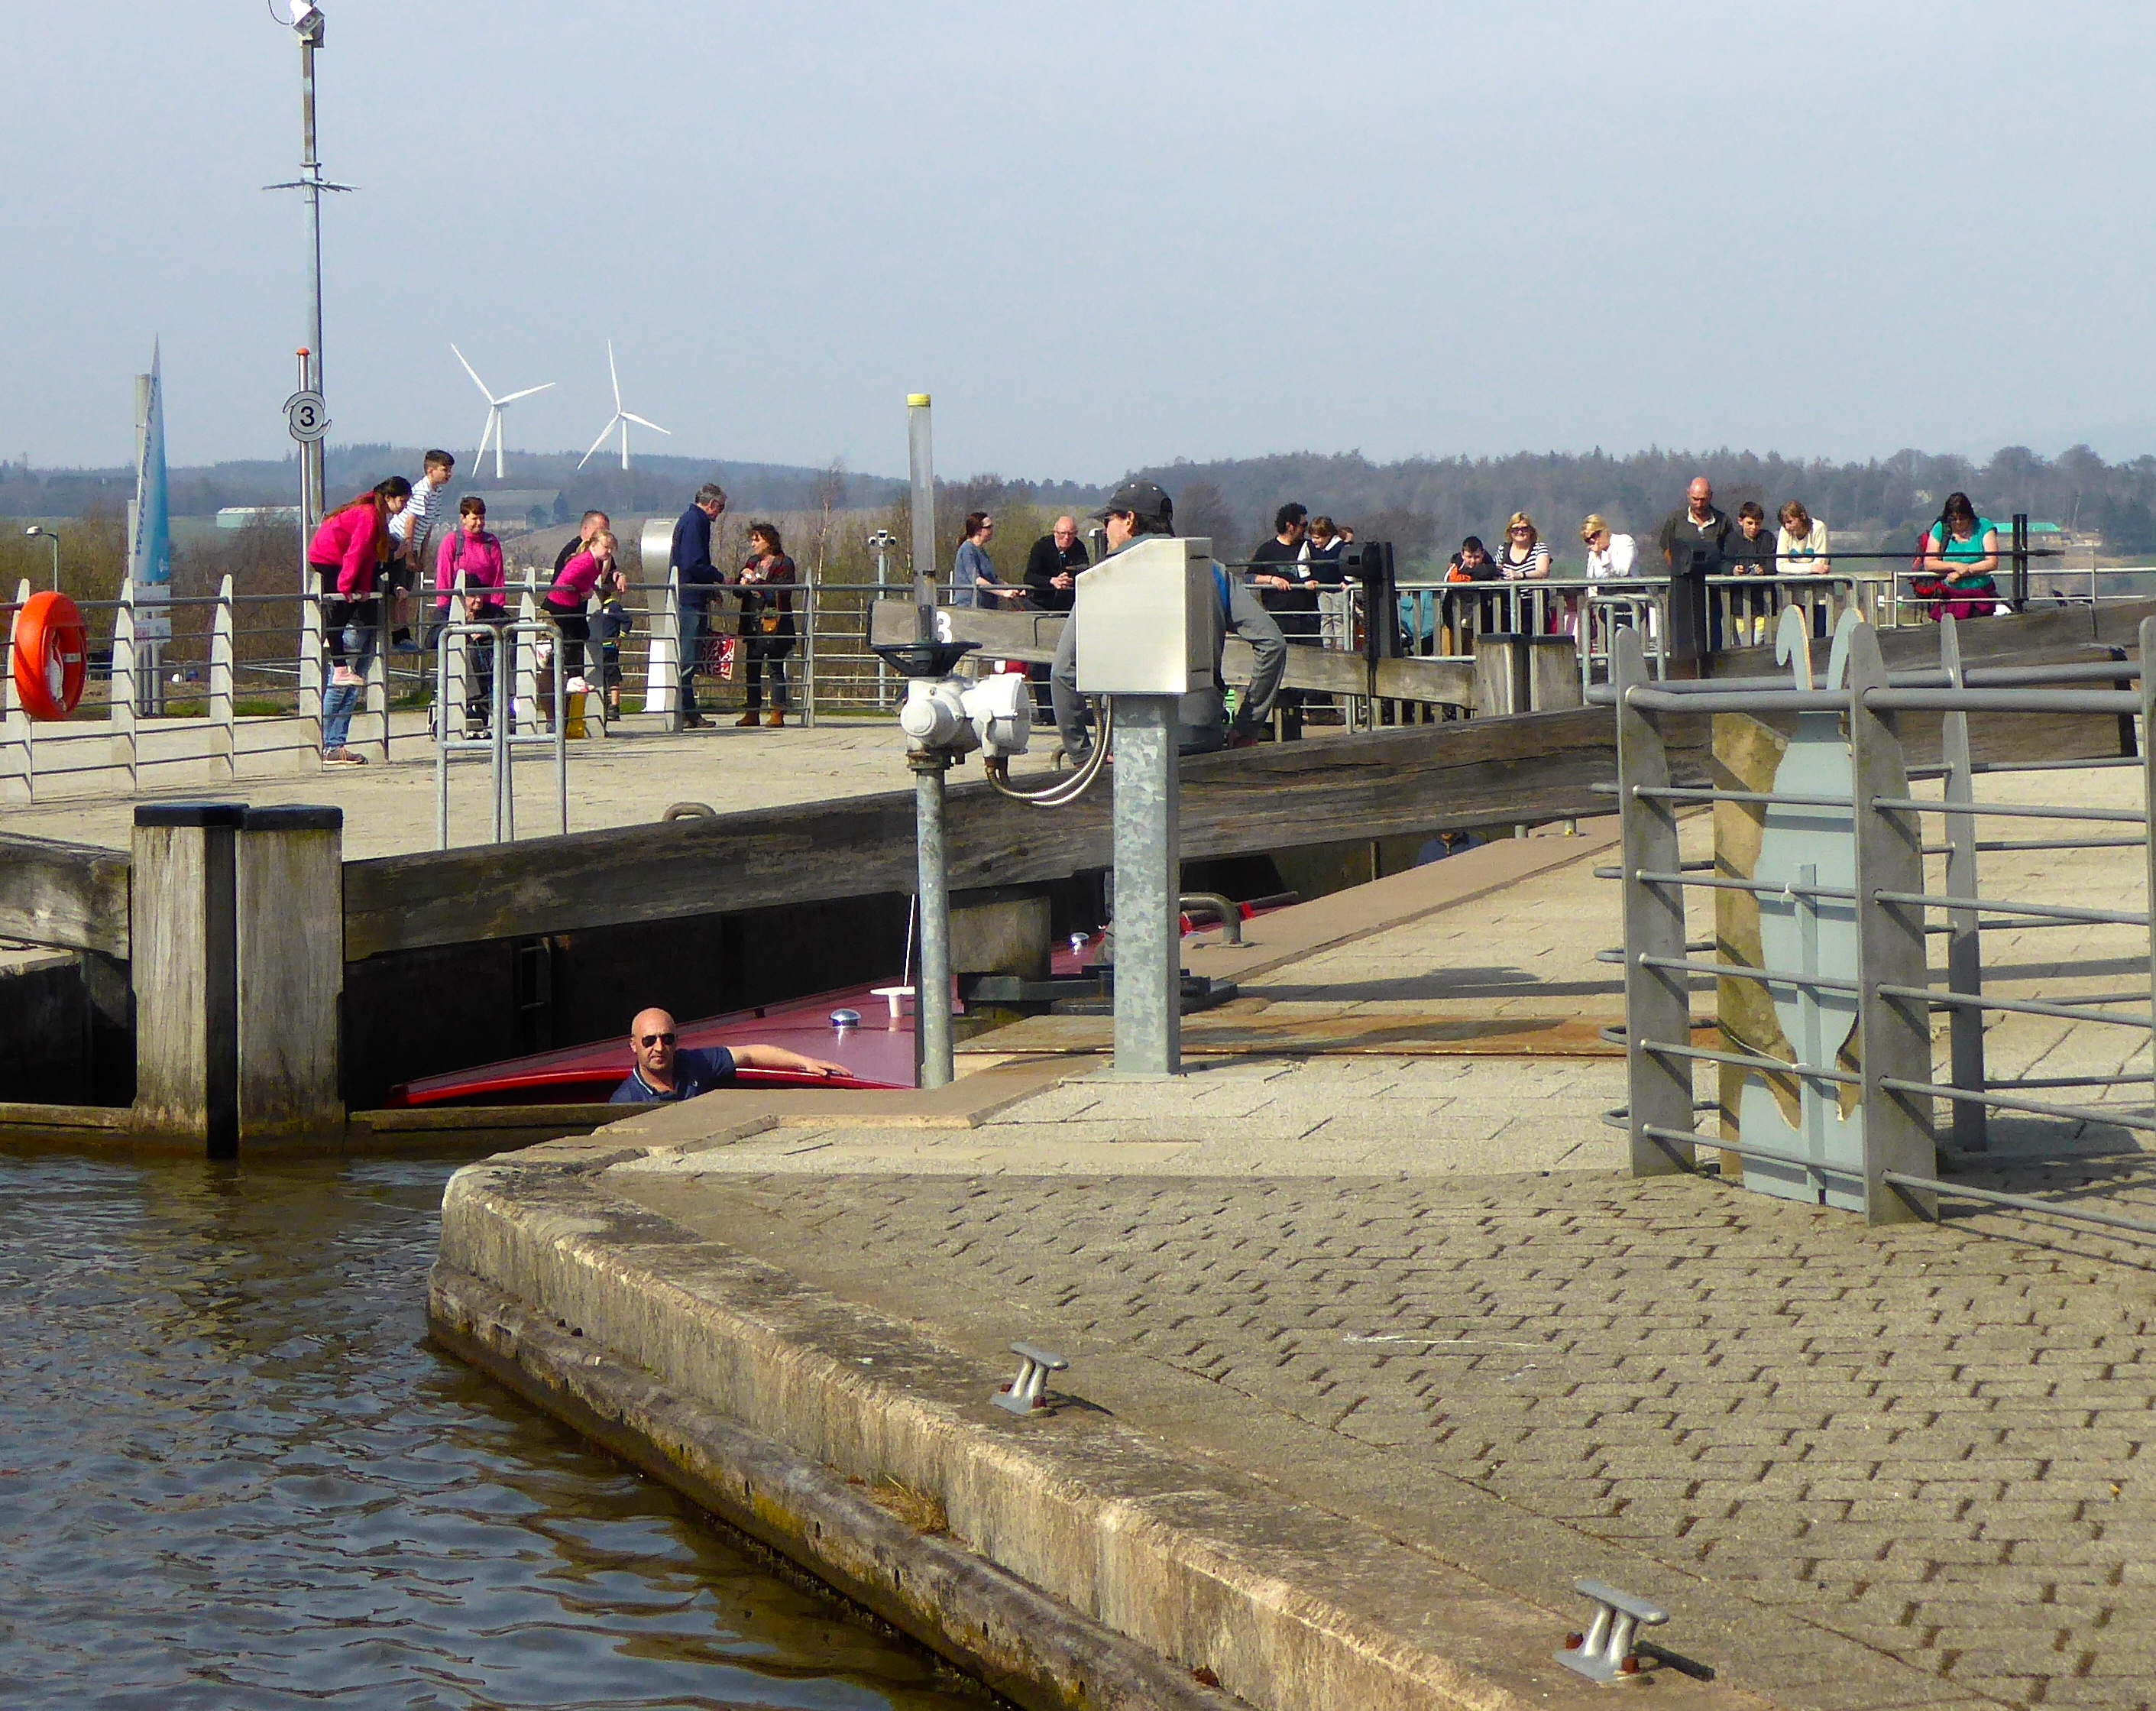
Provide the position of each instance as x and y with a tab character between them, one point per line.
1373	1350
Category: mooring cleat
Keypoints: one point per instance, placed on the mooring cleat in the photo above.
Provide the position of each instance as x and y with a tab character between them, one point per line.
1604	1653
1023	1394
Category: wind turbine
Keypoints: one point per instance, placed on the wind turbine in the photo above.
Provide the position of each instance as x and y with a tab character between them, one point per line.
494	406
622	419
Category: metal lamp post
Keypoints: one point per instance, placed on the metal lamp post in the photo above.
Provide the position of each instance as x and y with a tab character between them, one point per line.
35	533
307	24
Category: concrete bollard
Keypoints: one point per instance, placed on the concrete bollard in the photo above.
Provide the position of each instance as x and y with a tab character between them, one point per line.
237	924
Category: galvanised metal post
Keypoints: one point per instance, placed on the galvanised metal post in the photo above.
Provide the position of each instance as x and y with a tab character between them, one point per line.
920	464
1657	1000
931	993
1894	1034
2148	786
1964	942
1148	848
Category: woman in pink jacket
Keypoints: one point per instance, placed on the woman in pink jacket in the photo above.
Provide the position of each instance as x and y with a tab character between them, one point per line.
348	554
470	554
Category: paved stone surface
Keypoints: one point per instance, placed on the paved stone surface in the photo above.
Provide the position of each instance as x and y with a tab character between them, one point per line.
1926	1441
623	780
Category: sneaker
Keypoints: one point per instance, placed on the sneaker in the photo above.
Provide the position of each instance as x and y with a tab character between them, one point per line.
343	757
403	644
695	721
344	678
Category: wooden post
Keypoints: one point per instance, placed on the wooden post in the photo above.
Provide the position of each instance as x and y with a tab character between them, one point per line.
1501	675
1552	671
221	670
184	957
289	917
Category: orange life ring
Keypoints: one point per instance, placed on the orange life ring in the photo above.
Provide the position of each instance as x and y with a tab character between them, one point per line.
51	650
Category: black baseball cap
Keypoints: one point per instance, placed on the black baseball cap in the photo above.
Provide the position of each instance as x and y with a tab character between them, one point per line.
1146	500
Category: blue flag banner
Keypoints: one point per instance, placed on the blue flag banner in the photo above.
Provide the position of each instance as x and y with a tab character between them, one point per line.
150	545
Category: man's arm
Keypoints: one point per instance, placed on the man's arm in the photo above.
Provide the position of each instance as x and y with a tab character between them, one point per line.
1254	624
778	1057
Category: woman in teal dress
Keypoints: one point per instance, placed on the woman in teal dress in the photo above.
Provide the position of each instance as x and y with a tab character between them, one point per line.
1955	566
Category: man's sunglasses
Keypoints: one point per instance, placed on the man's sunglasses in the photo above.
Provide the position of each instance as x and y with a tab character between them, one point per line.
655	1038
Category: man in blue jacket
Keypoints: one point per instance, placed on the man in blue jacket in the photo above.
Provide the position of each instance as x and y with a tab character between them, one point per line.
692	557
661	1074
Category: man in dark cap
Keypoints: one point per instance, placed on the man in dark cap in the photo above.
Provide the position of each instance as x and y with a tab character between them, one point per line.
1139	508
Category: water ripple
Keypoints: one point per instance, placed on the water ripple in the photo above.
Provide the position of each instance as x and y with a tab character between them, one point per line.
232	1477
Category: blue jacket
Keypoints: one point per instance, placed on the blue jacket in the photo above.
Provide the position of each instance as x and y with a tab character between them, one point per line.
694	1073
692	556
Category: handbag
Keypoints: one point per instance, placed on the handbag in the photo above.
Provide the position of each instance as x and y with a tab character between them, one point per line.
718	659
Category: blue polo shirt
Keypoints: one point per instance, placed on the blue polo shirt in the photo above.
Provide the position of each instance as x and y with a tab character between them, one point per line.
694	1073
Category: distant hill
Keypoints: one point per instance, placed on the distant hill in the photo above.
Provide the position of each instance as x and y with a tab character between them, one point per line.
1424	505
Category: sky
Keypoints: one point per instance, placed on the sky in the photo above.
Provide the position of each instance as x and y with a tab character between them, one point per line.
1101	236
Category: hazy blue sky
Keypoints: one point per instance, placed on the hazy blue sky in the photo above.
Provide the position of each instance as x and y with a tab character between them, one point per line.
1099	234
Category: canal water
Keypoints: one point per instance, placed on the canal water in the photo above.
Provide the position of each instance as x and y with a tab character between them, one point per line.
232	1475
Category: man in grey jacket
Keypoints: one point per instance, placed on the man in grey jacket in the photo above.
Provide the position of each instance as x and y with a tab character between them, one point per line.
1139	508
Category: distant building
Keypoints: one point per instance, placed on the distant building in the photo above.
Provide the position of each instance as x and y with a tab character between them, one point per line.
241	517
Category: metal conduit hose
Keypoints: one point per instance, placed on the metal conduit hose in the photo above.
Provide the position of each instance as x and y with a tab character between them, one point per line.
1060	793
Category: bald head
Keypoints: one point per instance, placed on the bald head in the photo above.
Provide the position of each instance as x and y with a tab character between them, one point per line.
1701	494
651	1044
1065	530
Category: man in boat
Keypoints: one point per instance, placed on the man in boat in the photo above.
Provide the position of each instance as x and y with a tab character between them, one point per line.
1139	508
660	1073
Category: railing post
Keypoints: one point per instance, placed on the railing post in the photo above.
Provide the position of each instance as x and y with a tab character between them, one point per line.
222	664
310	666
662	679
1895	1034
1964	943
809	651
2020	598
376	703
119	691
1657	1001
19	763
525	651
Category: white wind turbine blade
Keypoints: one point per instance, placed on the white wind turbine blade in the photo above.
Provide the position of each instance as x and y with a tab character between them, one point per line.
614	375
597	443
485	434
477	381
526	394
628	416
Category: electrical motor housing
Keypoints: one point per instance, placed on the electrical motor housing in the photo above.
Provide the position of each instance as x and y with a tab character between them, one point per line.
1001	709
934	714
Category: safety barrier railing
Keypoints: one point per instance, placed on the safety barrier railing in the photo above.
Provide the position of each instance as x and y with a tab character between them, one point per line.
1834	1087
502	659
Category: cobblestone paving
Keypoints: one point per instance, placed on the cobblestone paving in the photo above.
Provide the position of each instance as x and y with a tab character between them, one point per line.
1930	1441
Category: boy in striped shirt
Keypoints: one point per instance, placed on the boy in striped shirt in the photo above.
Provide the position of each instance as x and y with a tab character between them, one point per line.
410	530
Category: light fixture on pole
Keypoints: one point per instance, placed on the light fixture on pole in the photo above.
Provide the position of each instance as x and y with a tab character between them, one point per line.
35	533
306	21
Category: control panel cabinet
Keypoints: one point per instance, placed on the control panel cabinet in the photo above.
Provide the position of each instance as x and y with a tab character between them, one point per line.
1145	618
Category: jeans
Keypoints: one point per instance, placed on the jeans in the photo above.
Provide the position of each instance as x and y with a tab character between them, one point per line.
360	635
694	621
576	629
766	652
